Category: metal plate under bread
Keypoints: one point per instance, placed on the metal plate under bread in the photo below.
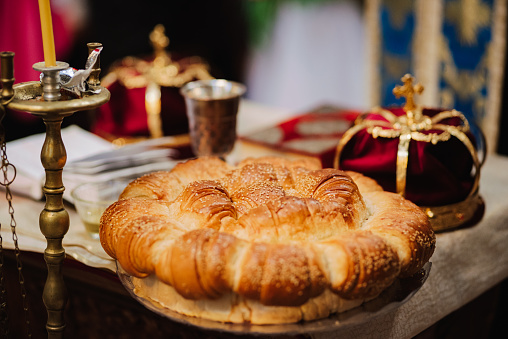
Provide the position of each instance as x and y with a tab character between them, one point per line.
392	298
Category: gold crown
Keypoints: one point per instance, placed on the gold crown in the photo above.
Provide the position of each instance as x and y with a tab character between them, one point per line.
414	125
152	73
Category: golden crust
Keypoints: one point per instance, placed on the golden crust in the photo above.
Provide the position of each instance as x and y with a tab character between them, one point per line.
270	231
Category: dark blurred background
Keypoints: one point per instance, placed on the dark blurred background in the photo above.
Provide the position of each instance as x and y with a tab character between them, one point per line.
214	30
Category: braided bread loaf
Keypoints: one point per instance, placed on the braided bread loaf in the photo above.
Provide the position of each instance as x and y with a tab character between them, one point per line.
267	241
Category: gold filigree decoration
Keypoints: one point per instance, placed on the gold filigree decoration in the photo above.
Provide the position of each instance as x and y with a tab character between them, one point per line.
468	16
398	11
455	79
134	72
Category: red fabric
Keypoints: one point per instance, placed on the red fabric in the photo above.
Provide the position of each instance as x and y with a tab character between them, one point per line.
436	174
314	134
20	28
20	25
125	114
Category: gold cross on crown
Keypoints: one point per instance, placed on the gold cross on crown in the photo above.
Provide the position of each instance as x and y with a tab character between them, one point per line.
408	91
159	42
159	39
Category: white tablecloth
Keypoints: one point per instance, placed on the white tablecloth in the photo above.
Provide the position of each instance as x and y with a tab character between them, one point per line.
466	263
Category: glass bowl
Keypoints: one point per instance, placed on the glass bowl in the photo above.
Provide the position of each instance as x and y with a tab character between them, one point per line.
91	200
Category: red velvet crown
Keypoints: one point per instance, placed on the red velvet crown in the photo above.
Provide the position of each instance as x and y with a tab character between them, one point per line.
427	155
145	93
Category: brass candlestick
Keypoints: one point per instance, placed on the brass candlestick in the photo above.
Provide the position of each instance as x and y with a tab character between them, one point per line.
52	104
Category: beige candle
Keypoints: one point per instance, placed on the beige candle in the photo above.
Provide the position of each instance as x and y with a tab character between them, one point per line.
47	33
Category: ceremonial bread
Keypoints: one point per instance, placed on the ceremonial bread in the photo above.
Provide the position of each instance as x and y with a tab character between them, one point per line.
267	241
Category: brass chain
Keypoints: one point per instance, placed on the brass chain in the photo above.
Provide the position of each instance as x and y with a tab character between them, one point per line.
6	182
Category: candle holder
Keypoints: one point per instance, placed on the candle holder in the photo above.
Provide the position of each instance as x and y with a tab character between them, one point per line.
50	102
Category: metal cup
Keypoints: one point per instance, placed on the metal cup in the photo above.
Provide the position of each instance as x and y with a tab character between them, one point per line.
212	107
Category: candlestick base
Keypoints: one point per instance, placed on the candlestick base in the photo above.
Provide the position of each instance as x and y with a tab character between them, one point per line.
51	79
